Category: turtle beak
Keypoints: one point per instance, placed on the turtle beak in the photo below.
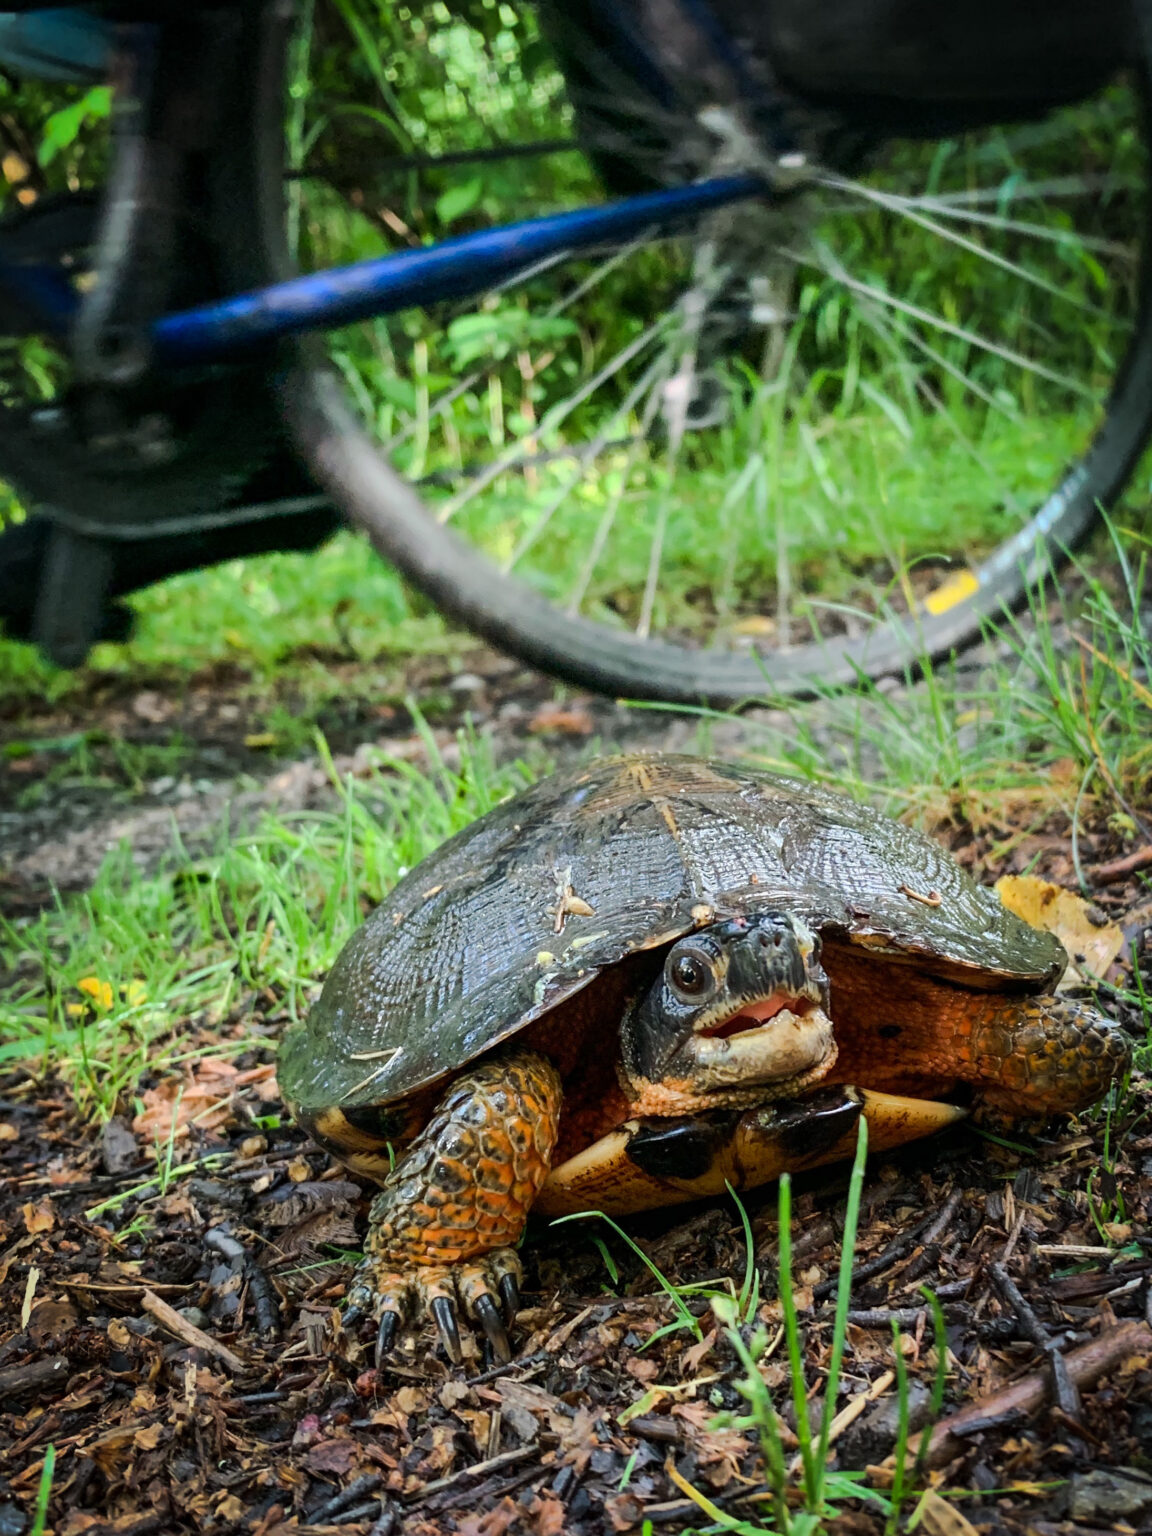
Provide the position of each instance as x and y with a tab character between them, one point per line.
780	1038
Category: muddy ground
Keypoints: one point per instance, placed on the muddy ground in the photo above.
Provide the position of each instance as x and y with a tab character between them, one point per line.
183	1354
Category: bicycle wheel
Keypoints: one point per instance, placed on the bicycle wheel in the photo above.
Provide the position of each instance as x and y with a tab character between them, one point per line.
816	440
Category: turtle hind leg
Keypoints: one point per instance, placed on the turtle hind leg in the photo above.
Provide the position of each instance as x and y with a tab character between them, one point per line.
1039	1056
442	1231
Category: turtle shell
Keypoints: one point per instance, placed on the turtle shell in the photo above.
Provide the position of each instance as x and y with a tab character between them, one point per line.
528	904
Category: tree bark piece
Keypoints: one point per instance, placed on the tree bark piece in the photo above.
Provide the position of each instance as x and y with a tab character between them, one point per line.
18	1380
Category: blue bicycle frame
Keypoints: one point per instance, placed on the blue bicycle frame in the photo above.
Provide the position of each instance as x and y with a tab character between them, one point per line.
450	269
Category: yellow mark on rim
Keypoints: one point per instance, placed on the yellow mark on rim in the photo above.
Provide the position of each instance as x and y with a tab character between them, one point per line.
958	587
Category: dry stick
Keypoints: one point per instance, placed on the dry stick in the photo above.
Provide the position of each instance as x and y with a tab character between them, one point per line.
1085	1365
1067	1397
927	1230
356	1489
884	1317
825	1230
478	1469
1118	869
169	1318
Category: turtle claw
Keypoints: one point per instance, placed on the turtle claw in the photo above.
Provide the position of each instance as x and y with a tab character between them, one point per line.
389	1324
488	1316
510	1296
444	1316
480	1289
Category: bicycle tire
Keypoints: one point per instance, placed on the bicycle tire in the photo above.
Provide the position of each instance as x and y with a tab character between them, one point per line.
505	611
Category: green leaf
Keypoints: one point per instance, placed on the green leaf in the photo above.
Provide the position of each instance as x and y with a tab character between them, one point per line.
458	200
63	127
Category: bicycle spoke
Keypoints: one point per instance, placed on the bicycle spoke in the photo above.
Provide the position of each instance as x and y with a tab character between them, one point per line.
586	456
933	226
884	325
556	418
950	328
968	214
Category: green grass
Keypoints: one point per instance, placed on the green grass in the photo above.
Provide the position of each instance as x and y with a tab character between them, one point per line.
258	614
806	1493
746	1300
1063	727
141	973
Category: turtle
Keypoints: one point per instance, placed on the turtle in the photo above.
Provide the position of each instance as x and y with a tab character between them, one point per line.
647	978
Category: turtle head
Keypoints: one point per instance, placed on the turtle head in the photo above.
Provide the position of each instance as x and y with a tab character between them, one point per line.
740	1005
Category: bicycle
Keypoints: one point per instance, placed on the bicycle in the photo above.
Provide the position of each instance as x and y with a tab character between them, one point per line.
190	405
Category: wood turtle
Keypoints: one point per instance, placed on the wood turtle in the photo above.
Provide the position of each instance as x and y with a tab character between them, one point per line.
644	978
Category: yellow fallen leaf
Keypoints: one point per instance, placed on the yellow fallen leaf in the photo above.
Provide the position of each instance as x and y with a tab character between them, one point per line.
1091	947
755	624
939	1518
135	993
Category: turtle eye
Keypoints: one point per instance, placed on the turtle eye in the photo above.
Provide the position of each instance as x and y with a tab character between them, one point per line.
691	974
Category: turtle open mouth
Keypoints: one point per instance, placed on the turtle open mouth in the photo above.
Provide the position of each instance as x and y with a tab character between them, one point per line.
755	1015
784	1038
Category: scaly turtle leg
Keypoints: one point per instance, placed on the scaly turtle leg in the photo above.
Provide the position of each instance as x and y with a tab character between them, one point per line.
1024	1057
442	1231
1033	1057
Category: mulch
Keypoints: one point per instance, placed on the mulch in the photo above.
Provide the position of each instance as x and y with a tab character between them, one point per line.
183	1352
178	1342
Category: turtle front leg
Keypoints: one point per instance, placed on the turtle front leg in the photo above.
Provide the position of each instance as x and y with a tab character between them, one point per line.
1033	1057
442	1231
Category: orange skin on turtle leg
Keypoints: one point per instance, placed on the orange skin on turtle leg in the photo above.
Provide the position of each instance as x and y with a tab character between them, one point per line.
445	1223
1027	1057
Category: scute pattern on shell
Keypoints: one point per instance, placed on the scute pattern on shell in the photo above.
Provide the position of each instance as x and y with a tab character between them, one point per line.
464	951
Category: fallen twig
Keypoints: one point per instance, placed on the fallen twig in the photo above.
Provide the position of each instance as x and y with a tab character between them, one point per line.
927	1230
1067	1397
169	1318
17	1380
1085	1365
478	1469
1119	869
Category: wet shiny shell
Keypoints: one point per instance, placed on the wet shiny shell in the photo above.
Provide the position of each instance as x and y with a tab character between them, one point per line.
524	907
